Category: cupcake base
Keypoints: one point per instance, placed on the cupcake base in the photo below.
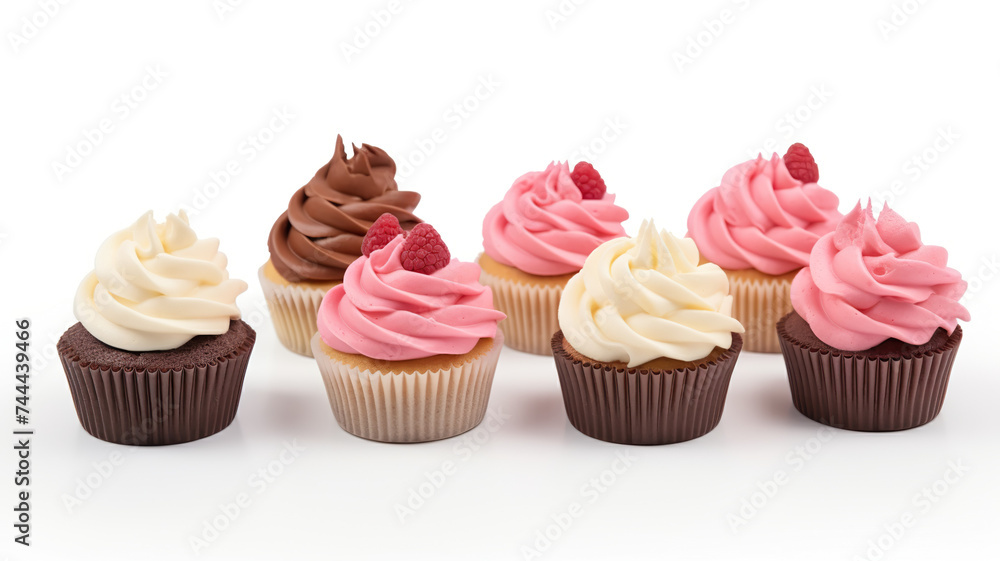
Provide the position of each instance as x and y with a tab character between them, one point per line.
759	301
893	386
531	303
157	397
412	400
658	403
293	308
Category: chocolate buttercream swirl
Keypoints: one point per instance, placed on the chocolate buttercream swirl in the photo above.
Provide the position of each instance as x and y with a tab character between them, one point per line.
320	234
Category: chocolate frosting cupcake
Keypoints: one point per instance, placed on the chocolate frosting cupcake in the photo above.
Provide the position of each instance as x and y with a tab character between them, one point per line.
320	234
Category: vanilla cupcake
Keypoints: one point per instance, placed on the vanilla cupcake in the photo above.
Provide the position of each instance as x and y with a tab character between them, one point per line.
536	239
160	352
874	331
408	344
759	226
314	241
647	344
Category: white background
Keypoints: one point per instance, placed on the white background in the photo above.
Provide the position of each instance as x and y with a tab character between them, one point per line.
868	99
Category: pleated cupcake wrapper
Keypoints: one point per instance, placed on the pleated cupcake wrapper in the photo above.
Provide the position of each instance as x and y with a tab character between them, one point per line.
849	391
419	406
630	406
153	407
293	312
758	304
532	312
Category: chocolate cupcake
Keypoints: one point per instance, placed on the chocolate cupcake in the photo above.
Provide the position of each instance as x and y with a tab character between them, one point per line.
759	225
314	241
647	344
874	331
159	353
538	237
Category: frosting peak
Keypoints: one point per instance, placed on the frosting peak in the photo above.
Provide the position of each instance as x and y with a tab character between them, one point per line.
156	286
643	298
368	173
760	217
386	312
544	226
320	234
873	279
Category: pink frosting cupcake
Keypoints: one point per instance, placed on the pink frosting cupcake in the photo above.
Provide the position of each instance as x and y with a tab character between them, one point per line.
759	225
408	343
874	331
538	237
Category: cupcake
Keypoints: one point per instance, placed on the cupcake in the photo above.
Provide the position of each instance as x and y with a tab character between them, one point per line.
408	343
874	331
536	239
159	353
759	226
648	344
314	241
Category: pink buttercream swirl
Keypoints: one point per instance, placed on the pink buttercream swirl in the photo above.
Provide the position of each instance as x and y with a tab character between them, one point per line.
385	312
545	227
762	218
872	280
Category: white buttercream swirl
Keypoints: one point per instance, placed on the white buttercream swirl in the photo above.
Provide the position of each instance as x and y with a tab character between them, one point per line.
643	298
156	286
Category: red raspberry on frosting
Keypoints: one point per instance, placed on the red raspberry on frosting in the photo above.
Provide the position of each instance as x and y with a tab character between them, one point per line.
800	163
382	231
588	181
424	250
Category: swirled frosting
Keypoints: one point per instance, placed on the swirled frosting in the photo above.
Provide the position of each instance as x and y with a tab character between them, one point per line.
545	227
156	286
643	298
872	280
386	312
762	218
320	234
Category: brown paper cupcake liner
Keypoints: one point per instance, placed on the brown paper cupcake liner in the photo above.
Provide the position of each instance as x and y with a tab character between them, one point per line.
417	406
532	312
865	393
293	312
759	301
157	407
633	406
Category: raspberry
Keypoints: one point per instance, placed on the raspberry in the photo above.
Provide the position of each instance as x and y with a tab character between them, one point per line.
382	231
588	181
424	250
800	163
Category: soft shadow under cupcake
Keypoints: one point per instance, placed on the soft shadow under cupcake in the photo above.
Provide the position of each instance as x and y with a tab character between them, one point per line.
287	412
538	414
772	404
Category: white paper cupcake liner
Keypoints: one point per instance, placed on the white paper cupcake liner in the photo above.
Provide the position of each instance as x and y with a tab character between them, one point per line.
293	312
758	304
532	312
419	406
